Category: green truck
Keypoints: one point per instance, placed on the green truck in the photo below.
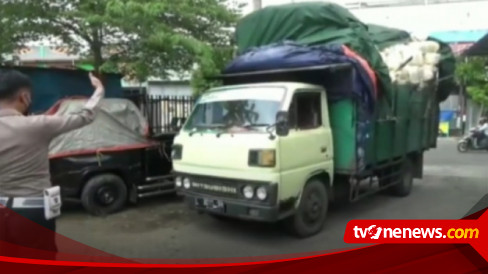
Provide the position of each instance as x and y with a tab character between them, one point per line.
271	144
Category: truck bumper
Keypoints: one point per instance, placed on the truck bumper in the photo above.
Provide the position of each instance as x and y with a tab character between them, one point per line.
232	208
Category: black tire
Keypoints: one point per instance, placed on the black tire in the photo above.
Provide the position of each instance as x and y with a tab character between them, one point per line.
341	192
309	219
384	181
404	187
462	147
104	194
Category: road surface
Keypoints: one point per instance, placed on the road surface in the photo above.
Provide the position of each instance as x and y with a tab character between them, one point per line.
164	228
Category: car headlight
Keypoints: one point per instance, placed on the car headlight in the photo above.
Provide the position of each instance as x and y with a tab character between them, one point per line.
262	157
187	183
176	152
248	192
262	193
178	181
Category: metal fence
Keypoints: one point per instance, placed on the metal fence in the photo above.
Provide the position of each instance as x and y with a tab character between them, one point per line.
165	114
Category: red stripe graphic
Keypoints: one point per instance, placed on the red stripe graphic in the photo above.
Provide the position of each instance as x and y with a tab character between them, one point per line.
74	256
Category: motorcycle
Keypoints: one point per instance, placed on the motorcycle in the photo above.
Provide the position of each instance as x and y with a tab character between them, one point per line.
470	141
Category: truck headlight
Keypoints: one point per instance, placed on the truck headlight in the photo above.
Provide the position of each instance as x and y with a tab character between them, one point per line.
187	183
176	152
179	181
248	192
262	193
262	157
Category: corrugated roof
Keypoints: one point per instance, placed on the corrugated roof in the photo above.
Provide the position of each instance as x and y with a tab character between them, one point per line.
45	53
468	36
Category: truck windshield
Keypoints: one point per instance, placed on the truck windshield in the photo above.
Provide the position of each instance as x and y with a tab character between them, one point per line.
243	108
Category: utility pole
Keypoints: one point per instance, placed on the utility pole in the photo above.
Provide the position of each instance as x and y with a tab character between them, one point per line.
257	4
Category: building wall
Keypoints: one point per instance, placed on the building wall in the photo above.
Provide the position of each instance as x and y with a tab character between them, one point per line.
426	19
474	112
160	88
451	103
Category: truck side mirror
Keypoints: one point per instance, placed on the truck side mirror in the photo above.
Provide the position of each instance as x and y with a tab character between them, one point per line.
282	126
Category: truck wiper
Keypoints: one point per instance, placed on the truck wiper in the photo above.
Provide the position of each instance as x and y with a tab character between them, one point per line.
269	128
256	125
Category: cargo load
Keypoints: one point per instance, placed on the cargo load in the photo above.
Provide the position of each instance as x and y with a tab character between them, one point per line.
385	38
328	23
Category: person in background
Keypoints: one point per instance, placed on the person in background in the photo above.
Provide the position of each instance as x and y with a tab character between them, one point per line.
482	131
24	163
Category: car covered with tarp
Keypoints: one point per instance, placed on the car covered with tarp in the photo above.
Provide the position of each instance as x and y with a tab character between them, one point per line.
110	161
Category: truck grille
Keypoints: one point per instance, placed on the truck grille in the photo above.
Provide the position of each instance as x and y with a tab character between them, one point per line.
220	187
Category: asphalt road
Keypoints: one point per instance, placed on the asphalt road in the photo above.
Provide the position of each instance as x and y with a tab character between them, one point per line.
165	228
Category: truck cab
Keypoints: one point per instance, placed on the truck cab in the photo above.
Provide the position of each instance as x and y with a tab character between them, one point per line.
259	151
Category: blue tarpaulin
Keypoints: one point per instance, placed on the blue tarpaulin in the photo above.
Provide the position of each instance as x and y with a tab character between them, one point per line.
291	55
461	36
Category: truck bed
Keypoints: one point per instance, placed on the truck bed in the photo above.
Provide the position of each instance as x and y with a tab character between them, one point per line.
406	125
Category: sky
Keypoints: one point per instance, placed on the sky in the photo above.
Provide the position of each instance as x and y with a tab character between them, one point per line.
462	16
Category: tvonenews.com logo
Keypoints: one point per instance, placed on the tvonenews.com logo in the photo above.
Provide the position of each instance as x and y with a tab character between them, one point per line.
466	231
376	232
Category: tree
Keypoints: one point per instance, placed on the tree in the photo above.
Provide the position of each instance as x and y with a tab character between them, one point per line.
137	37
473	74
182	33
12	34
8	46
211	65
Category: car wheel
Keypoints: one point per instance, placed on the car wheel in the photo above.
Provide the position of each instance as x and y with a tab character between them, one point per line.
309	218
404	187
104	194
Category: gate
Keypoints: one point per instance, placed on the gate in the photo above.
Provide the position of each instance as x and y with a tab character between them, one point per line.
165	114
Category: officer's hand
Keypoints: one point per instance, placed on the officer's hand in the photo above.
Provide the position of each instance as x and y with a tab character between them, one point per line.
98	94
96	83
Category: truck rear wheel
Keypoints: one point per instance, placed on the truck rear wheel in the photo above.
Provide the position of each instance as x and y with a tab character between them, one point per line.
310	216
104	194
404	187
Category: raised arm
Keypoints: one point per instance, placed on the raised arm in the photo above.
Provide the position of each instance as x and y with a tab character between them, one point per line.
58	124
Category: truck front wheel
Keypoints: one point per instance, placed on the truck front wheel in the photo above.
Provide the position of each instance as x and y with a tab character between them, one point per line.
310	216
104	194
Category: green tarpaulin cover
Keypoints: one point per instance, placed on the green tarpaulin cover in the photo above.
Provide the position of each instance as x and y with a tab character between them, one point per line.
324	23
385	37
447	69
311	24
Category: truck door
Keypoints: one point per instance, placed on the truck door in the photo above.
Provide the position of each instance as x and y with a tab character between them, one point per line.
308	147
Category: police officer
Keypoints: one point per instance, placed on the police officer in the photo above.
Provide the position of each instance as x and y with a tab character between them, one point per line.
24	163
